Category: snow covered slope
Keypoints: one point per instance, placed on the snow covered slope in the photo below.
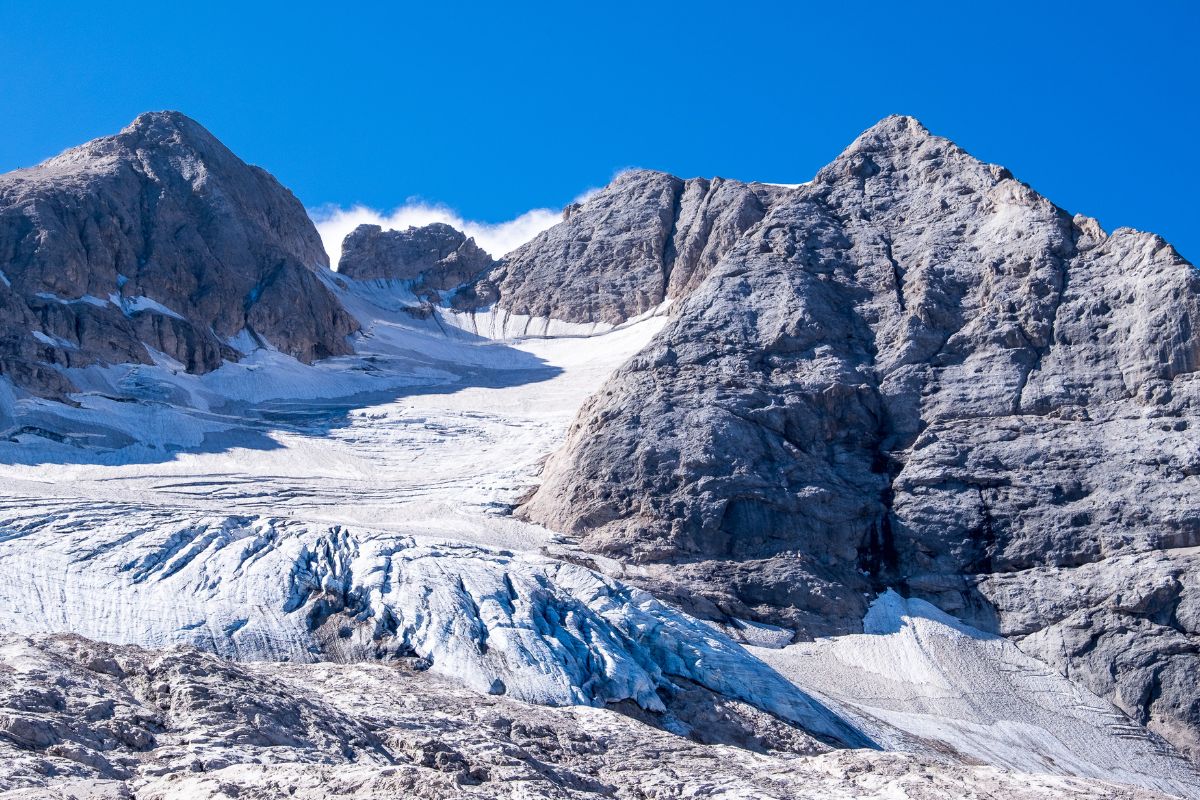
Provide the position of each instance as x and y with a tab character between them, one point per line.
426	421
920	680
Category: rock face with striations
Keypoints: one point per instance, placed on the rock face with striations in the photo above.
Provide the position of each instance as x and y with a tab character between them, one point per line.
914	372
646	237
436	258
156	238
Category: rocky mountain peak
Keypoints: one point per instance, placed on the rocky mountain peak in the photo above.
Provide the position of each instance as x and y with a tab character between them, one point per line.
439	254
645	238
901	144
157	129
914	373
892	131
156	237
649	236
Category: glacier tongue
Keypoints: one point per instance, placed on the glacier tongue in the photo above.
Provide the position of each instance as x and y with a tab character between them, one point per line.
256	588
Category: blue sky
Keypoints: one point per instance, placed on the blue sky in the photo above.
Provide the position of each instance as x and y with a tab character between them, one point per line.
494	109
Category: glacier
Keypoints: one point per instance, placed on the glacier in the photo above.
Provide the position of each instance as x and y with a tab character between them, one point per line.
355	511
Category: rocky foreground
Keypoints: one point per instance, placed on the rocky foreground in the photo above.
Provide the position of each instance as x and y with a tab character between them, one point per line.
102	721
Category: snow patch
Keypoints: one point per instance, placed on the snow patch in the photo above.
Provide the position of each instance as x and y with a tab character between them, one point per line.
140	303
53	341
87	298
501	324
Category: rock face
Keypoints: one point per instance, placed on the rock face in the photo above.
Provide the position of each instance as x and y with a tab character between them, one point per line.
646	237
156	238
918	373
436	258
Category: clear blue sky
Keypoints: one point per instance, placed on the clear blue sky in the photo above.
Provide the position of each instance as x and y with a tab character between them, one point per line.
497	108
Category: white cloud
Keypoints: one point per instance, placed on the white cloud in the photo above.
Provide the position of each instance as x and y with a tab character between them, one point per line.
497	238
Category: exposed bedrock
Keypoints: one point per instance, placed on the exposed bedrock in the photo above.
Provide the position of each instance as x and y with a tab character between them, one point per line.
646	237
156	239
914	372
435	259
85	719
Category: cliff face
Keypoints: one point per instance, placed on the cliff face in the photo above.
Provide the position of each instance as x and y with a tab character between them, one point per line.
916	372
158	237
644	238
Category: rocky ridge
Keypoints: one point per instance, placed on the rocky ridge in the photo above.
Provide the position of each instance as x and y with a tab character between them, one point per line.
645	238
435	258
917	373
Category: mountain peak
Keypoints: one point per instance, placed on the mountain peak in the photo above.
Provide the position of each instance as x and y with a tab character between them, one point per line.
157	129
897	125
151	119
900	145
218	243
894	134
437	257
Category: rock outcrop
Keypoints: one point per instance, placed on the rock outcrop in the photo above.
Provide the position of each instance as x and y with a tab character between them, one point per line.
917	373
158	238
436	258
646	237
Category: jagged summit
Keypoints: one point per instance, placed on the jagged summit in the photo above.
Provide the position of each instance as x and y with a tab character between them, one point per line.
167	128
646	237
164	120
435	259
892	128
150	136
649	236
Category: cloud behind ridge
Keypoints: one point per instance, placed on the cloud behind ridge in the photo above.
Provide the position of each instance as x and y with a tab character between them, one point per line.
497	238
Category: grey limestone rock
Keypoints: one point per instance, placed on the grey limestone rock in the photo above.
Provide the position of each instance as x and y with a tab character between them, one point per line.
84	719
646	237
158	237
914	372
